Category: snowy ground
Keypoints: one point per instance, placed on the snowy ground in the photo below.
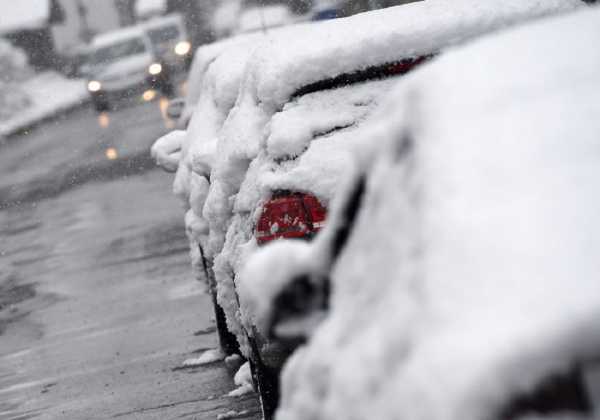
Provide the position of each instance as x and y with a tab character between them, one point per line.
49	93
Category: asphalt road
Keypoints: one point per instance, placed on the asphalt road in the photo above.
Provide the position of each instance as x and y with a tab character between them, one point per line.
98	308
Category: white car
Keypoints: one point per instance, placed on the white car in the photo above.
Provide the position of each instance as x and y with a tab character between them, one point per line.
458	274
120	63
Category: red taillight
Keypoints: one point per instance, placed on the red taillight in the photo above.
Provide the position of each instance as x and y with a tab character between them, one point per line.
290	215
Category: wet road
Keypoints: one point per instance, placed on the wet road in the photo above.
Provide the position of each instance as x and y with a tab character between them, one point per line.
98	308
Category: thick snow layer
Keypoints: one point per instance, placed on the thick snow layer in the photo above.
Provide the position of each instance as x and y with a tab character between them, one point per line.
24	14
167	150
471	273
214	81
243	381
49	93
308	145
301	55
203	58
216	92
344	45
283	261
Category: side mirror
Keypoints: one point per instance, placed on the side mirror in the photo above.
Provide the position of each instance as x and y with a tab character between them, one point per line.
175	108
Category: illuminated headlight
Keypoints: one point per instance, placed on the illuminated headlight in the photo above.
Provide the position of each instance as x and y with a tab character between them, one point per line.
182	48
94	86
154	69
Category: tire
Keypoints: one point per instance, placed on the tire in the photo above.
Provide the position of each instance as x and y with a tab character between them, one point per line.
266	383
167	88
227	340
101	105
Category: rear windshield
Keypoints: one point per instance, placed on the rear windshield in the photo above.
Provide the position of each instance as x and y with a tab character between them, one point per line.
118	50
166	33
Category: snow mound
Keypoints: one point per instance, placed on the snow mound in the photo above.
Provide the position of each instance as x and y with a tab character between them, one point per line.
243	381
232	414
208	357
48	94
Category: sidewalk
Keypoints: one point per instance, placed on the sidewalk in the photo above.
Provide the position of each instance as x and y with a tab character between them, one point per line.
51	94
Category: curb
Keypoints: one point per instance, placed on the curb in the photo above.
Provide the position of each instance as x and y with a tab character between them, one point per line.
21	128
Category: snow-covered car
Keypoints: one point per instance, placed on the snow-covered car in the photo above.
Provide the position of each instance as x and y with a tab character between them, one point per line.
458	274
183	108
120	63
284	149
213	84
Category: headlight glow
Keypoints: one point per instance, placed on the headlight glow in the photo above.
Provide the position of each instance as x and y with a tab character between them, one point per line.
154	69
94	86
182	48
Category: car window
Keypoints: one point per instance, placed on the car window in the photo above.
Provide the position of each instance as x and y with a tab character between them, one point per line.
118	50
163	34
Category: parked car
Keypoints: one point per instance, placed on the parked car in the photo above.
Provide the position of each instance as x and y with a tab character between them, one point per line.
213	82
121	63
457	277
285	147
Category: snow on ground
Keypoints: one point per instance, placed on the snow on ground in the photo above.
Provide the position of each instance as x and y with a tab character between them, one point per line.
471	273
14	70
305	54
49	93
243	381
232	414
208	357
24	14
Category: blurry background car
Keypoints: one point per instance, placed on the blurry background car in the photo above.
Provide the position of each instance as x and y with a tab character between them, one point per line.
170	41
120	62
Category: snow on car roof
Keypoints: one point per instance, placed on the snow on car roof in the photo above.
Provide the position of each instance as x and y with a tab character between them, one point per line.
24	14
300	56
118	35
475	254
205	55
147	6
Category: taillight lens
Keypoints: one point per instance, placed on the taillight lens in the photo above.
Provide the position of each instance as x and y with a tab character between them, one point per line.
290	215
